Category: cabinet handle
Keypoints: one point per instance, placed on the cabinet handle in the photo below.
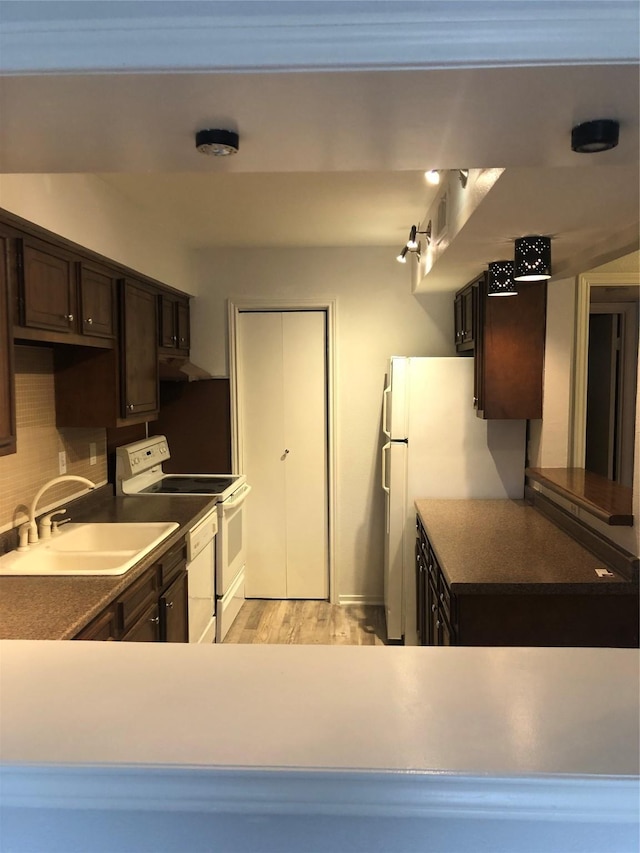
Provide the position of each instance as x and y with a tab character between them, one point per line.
89	321
130	407
442	597
434	607
69	317
438	623
168	605
475	401
174	338
154	620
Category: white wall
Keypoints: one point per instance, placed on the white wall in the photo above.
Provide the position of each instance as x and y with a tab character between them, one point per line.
376	317
85	209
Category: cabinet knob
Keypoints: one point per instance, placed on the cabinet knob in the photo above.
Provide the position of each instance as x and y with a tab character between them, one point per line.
438	624
442	597
89	321
475	401
154	620
130	407
434	607
174	338
69	317
168	605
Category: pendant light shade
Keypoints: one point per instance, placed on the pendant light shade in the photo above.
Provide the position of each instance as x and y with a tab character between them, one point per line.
501	281
532	258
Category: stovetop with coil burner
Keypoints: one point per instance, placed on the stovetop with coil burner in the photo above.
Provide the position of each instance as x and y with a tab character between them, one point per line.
191	484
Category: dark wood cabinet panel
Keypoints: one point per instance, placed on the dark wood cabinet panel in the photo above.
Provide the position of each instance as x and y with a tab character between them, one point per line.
139	355
7	384
506	336
146	629
173	610
173	323
47	287
494	617
97	300
102	628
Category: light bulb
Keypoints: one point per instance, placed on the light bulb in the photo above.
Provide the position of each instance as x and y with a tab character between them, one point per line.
433	177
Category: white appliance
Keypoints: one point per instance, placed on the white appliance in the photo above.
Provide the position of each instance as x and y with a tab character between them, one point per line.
201	582
436	447
139	472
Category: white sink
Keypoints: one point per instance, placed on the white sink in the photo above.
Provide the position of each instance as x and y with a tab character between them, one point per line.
89	549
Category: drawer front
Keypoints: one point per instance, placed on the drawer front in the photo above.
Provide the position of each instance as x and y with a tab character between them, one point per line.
146	629
103	627
171	563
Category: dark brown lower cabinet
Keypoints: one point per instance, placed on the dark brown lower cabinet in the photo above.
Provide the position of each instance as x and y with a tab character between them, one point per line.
152	609
496	616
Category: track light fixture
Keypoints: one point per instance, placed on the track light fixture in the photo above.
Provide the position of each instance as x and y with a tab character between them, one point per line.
219	143
412	245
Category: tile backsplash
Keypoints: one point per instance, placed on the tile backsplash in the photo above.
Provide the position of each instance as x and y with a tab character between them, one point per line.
39	443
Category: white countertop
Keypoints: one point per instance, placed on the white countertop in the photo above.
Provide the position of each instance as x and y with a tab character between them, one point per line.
501	711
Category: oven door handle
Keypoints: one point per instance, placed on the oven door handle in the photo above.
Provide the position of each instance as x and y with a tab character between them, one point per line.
235	502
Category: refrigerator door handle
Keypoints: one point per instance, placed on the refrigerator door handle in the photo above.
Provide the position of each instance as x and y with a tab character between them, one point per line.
385	397
386	447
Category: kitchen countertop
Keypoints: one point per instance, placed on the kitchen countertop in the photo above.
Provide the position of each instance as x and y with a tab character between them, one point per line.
486	546
56	608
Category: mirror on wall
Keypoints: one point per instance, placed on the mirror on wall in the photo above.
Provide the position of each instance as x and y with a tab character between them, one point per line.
606	376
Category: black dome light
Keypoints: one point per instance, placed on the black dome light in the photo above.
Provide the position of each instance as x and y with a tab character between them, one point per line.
218	143
594	136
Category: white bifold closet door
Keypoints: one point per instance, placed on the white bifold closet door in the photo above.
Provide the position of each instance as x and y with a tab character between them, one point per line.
282	392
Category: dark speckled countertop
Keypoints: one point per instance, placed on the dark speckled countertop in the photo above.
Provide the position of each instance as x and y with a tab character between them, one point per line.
507	545
50	608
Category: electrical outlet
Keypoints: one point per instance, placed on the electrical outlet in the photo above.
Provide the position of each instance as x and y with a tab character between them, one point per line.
92	453
62	462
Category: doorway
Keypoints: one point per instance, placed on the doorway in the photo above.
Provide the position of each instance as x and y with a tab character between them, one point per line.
281	367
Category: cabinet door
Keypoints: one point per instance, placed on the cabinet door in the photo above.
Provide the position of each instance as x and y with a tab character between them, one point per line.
146	629
183	324
103	627
47	287
168	338
139	354
421	597
7	387
173	610
97	301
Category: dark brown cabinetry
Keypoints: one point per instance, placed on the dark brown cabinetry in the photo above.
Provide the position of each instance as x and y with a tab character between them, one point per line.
47	286
114	387
173	323
511	615
7	387
506	336
152	609
97	301
138	352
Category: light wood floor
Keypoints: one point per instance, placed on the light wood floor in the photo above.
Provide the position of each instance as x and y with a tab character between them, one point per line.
308	622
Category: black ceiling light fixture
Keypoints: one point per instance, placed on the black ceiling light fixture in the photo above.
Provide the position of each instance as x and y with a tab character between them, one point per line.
217	143
532	258
501	281
594	136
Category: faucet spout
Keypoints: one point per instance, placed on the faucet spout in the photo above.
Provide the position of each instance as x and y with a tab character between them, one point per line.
33	530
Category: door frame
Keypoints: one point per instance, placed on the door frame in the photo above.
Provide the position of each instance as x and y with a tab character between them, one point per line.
328	306
578	418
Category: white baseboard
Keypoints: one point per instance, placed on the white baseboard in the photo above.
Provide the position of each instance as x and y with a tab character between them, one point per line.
360	599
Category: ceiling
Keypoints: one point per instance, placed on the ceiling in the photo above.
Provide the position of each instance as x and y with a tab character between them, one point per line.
336	158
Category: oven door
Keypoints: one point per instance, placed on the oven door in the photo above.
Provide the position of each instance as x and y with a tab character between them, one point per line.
231	539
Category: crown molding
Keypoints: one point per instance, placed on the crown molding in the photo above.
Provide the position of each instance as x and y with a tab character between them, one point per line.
40	37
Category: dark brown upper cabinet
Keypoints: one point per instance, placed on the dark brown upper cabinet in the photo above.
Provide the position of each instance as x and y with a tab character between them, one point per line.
7	387
173	323
507	340
47	286
465	307
97	302
138	351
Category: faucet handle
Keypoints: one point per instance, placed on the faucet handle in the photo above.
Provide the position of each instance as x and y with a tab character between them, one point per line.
23	536
44	528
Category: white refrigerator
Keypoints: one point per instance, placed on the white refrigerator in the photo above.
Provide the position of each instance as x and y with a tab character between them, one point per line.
436	447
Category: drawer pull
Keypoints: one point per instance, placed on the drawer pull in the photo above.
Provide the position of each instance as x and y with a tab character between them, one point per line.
154	620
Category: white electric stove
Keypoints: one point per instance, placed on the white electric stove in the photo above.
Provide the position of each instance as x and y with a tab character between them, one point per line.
218	588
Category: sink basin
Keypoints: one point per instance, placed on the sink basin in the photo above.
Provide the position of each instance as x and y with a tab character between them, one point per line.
89	549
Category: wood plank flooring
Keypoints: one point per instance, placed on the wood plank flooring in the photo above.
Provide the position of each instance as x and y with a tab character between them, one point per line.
308	622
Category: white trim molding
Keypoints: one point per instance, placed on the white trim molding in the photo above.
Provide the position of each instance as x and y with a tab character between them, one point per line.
578	422
328	305
102	36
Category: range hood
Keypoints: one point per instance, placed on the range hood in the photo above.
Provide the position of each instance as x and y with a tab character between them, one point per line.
174	369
